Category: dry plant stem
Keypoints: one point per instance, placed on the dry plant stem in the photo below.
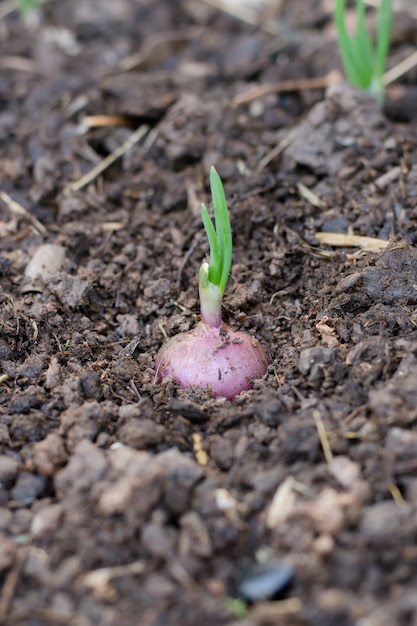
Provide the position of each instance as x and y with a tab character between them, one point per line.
49	616
282	612
321	430
20	64
351	241
99	121
284	143
401	68
108	161
18	209
386	179
98	579
246	15
303	84
156	45
397	495
310	196
12	580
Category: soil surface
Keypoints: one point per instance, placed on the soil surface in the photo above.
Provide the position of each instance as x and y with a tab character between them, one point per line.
124	501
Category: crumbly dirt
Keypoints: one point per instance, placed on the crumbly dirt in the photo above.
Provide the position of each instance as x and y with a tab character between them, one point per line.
124	501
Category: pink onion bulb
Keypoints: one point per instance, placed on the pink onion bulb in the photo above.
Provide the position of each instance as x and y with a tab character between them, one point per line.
220	359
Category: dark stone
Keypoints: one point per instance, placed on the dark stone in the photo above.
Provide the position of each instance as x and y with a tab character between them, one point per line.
5	350
265	581
32	368
90	385
392	280
190	410
159	541
8	469
28	487
141	433
23	402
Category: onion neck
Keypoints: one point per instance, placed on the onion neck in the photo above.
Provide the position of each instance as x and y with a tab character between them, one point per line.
210	299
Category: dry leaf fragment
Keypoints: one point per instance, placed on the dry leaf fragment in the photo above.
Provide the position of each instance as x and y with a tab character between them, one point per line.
310	196
282	504
345	471
351	241
329	511
48	259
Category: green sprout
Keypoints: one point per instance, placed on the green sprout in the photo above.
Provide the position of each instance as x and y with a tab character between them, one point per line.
214	275
237	607
26	6
364	60
212	355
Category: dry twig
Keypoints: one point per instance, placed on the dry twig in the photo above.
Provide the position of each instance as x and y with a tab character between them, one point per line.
109	160
18	209
246	14
301	84
321	430
351	241
11	582
284	143
401	68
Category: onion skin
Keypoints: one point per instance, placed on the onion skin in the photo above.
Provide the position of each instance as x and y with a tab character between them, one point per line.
220	359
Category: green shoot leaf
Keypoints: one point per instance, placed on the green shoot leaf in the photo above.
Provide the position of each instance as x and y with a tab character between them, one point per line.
215	255
362	59
220	235
25	6
364	49
383	38
214	275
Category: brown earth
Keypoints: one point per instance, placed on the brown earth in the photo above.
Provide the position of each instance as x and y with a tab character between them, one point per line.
127	502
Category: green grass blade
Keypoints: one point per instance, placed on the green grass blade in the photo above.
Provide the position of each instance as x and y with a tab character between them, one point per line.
223	228
215	255
384	27
25	6
346	46
363	64
365	52
363	61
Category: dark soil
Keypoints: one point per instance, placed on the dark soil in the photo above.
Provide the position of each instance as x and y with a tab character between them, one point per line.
124	501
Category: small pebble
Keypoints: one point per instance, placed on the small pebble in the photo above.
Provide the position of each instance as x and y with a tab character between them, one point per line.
265	581
323	544
46	521
8	469
345	471
141	433
7	552
28	487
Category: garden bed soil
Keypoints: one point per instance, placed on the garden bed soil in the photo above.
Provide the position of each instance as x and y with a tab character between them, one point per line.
128	501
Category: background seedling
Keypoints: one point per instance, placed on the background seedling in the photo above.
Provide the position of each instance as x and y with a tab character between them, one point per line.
364	59
26	6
